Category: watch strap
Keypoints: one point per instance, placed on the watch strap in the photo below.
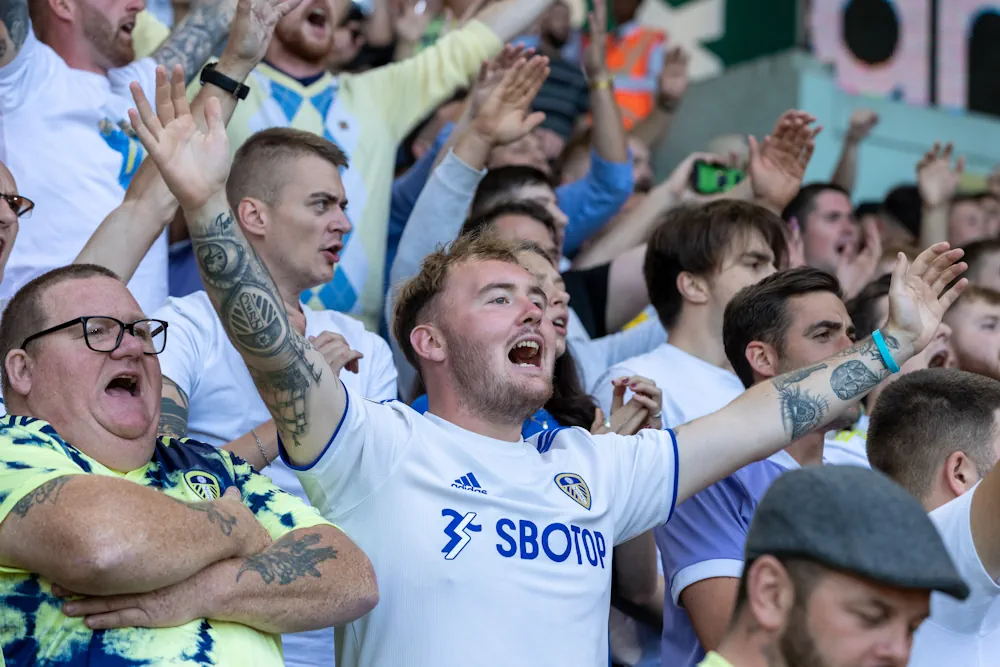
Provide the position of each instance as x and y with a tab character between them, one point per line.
209	74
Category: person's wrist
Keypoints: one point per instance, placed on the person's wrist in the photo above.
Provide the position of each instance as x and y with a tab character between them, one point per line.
899	341
236	67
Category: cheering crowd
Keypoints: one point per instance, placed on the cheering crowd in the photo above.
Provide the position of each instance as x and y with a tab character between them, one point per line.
363	335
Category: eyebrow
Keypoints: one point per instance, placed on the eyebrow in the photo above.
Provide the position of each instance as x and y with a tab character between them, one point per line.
511	287
328	195
760	256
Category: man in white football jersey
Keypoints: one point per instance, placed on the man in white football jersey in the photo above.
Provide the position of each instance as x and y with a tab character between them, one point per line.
513	568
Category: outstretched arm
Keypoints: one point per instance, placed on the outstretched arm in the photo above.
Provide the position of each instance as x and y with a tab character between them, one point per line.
803	401
193	40
13	28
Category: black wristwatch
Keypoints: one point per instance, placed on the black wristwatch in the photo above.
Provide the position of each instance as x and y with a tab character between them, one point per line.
211	75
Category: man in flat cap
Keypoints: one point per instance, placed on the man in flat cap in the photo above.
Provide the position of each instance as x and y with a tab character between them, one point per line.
840	565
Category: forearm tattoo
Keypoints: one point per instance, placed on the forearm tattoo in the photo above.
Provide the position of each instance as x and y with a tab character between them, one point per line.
14	15
173	413
192	42
288	560
804	411
254	316
224	520
45	493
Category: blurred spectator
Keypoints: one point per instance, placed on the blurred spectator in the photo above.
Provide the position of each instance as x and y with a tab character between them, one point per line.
900	216
983	258
975	324
13	207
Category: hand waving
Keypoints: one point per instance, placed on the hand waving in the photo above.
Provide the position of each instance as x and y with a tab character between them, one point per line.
778	165
254	25
936	179
504	116
194	164
491	74
916	301
411	21
856	271
861	124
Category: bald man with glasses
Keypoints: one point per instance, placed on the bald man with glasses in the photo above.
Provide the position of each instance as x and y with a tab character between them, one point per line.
107	530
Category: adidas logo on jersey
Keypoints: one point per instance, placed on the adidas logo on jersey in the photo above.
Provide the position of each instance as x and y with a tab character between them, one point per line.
468	482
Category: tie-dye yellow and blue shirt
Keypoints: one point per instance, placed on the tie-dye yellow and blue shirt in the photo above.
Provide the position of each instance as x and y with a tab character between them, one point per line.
33	629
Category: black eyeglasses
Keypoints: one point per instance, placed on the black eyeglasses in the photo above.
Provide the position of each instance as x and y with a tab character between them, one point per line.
20	205
104	334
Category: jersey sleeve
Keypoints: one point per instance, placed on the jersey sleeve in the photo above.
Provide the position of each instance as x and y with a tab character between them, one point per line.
278	511
954	522
188	327
645	479
360	456
705	538
28	463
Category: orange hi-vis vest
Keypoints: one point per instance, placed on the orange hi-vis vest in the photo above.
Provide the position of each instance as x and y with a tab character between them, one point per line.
635	58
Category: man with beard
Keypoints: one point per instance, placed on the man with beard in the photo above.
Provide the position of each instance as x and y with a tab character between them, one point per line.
366	116
831	583
791	319
63	97
869	311
457	561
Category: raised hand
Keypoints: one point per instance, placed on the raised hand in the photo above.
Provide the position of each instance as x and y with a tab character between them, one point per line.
504	116
778	165
491	74
254	25
678	184
917	296
861	124
194	164
595	58
673	80
937	180
856	271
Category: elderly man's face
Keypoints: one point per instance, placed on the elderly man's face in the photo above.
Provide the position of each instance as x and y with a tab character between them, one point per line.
81	391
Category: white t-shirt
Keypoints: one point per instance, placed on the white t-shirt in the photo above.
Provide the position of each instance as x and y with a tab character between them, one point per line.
848	447
967	633
692	388
224	404
65	135
487	552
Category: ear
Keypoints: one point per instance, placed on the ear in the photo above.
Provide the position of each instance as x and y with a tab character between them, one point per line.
960	473
18	366
763	359
64	10
428	343
254	217
770	594
692	288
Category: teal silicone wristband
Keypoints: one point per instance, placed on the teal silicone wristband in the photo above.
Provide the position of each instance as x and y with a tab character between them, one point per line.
883	349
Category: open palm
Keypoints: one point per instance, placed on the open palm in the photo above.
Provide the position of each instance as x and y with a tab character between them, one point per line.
778	165
194	164
505	115
917	296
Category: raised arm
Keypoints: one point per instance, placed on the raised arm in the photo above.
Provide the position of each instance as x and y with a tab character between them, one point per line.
937	181
102	535
192	41
861	124
305	398
670	88
13	28
125	236
771	415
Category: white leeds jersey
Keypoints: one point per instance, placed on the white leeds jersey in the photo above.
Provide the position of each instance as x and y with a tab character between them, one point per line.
486	552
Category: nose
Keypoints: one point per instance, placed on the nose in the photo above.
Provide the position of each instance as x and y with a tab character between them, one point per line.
943	332
896	649
7	215
340	222
531	313
560	298
130	347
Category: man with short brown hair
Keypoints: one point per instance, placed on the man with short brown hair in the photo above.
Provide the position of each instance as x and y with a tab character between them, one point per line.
975	326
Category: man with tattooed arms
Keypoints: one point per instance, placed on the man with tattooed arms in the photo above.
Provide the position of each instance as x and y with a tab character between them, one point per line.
117	547
537	530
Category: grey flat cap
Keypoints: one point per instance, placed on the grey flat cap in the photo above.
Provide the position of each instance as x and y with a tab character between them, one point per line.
855	520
